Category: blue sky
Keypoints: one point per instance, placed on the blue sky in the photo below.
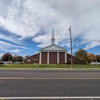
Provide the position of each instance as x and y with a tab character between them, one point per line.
26	25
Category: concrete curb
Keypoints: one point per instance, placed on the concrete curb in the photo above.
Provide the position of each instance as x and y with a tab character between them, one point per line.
54	69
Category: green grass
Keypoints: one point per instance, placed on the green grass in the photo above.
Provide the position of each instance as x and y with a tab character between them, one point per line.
47	66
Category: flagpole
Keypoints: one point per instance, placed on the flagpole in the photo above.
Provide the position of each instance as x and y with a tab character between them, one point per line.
71	48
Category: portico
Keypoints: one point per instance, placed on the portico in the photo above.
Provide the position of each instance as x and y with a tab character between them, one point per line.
56	54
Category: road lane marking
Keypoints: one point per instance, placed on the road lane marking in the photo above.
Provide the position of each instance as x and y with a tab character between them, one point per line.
52	98
23	78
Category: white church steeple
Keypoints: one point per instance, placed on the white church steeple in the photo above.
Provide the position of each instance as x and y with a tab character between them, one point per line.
53	39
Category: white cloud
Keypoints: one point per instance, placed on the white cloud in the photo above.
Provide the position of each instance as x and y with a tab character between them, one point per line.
74	50
82	19
5	45
28	18
14	51
10	38
36	52
92	44
16	17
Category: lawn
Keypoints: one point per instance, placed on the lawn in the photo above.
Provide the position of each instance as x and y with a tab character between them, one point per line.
47	66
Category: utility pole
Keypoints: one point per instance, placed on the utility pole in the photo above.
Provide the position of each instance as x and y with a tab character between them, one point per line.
71	48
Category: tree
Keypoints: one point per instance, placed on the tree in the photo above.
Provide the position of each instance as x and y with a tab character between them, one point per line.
17	58
14	58
91	57
20	58
98	58
81	54
7	57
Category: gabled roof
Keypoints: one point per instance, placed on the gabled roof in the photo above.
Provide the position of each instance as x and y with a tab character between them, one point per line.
52	47
31	56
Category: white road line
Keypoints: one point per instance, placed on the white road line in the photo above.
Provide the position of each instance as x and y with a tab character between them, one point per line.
22	78
74	97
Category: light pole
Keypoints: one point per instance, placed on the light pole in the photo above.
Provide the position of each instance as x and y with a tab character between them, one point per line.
23	59
71	48
95	58
9	57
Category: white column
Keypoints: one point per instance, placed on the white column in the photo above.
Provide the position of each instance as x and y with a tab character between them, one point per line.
48	57
40	58
57	57
65	57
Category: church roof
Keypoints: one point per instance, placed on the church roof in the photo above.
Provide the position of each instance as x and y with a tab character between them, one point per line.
53	47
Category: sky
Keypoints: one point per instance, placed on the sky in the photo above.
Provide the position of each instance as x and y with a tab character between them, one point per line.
26	25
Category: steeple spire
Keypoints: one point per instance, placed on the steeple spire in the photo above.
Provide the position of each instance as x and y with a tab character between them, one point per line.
53	39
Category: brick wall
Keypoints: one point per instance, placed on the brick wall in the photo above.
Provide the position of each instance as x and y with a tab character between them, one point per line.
75	60
52	58
31	59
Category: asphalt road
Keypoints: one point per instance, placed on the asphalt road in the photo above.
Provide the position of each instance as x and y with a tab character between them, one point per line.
49	87
40	73
49	83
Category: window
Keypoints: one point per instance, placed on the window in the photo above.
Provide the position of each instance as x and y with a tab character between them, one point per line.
35	61
28	60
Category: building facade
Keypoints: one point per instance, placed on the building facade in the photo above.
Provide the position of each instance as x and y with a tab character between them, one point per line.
51	54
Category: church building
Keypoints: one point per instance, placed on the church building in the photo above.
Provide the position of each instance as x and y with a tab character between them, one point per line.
51	54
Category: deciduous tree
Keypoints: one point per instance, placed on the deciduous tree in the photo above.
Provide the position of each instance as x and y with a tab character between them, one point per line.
98	58
17	58
81	54
7	57
91	57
